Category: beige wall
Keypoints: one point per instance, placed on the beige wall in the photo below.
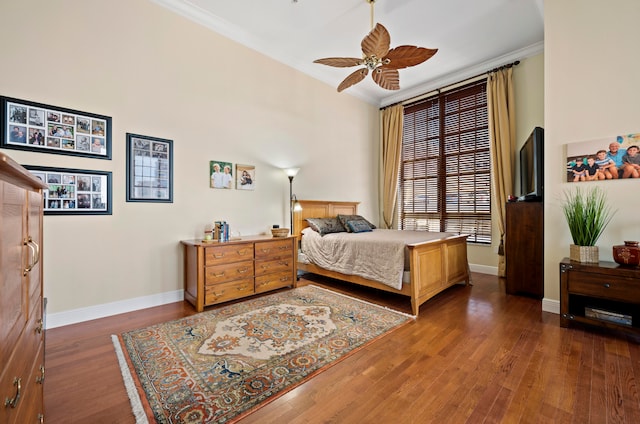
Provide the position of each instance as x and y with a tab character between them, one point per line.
591	82
158	74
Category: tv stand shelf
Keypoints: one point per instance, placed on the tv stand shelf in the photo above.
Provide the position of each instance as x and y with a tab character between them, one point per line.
603	286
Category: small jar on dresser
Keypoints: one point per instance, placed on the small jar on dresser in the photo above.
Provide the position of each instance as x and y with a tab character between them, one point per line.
216	272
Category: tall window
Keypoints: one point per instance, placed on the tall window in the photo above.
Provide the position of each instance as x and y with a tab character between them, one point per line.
445	175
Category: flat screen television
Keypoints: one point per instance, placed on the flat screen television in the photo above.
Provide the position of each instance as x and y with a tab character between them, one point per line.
532	167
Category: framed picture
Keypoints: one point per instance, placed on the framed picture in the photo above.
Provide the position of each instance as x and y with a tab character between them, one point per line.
221	174
245	177
74	191
149	169
50	129
612	158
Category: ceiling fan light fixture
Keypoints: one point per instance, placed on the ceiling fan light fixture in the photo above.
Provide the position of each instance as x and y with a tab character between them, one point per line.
378	58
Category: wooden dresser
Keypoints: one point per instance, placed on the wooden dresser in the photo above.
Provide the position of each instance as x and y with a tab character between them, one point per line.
217	272
21	307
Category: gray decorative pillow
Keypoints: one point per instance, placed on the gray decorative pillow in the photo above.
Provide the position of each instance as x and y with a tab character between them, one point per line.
344	218
325	225
358	226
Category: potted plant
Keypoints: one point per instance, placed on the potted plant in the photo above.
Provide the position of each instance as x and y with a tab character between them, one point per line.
587	214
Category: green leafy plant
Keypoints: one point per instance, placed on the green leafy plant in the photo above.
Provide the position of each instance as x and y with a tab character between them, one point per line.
587	214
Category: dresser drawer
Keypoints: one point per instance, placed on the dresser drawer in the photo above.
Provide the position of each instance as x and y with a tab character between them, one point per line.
274	249
228	291
228	253
18	372
226	272
600	285
274	265
274	281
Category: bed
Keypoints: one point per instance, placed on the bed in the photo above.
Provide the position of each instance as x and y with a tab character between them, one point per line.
434	265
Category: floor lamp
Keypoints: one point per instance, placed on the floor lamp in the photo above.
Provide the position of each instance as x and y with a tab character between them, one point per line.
294	205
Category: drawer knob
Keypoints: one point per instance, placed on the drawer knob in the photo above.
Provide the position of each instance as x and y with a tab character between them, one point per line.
606	285
218	255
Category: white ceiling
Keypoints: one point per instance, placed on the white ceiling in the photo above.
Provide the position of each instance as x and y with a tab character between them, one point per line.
473	36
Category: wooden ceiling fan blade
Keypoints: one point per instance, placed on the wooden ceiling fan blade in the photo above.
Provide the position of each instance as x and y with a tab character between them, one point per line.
389	79
377	42
405	56
340	62
352	79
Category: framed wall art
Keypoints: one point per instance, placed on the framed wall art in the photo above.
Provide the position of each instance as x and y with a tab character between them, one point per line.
42	128
149	169
74	191
245	177
221	174
613	158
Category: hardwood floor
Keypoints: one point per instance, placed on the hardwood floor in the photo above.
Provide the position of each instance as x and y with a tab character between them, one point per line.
474	355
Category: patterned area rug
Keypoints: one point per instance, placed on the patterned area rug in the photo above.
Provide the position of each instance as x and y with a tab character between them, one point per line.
220	365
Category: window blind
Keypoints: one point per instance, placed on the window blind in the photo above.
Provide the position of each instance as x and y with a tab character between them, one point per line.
445	174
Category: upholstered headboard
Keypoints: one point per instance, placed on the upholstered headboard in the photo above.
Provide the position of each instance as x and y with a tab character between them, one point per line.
320	209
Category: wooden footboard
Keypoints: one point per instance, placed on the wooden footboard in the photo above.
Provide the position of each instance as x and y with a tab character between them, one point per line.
434	265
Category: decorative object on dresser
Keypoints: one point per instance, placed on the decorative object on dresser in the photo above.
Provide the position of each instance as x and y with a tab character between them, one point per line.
587	215
74	191
21	303
434	265
602	294
279	232
149	169
627	254
524	248
221	271
42	128
220	365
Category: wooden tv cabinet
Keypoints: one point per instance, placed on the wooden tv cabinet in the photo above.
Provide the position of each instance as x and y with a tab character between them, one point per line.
524	249
603	286
217	272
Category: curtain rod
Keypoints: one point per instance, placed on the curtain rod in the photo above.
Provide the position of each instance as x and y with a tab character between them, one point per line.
454	85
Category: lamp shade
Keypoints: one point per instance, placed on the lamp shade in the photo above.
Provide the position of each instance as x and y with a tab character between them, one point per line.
291	172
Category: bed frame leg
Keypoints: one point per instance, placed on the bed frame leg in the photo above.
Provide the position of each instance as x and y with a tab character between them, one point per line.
415	307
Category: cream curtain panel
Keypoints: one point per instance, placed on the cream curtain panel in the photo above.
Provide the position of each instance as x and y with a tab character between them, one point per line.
392	119
502	133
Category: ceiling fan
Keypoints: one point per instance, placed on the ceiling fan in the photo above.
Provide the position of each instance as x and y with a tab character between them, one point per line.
379	58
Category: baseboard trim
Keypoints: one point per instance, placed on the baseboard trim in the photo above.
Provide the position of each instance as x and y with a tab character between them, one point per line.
114	308
551	305
484	269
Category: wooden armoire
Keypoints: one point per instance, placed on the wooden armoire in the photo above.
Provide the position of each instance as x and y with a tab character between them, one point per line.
21	302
